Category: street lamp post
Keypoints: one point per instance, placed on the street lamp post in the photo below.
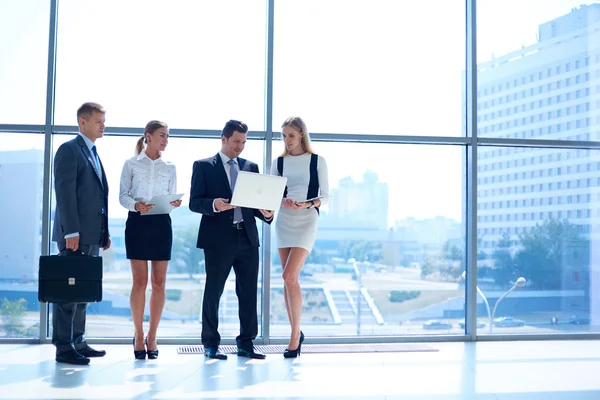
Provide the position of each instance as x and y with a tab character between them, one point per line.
521	282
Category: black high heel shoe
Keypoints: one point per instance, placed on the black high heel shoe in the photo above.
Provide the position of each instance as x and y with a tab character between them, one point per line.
139	354
152	354
294	353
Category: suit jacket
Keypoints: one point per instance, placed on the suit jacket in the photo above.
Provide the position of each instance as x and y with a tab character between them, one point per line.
80	195
209	181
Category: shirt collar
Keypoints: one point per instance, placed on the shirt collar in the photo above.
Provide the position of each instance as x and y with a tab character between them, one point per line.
87	141
144	155
226	159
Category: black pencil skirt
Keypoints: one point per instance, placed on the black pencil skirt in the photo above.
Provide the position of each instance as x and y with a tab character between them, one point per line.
148	237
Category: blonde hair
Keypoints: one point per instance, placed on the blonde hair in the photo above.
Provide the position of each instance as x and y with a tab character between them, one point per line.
151	127
298	124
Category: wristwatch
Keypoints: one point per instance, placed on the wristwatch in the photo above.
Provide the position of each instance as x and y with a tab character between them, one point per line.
312	204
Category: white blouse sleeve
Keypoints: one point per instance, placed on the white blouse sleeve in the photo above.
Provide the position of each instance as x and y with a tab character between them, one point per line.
125	188
173	180
323	180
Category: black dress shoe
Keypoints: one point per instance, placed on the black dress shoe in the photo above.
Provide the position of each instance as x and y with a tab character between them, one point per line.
89	352
251	354
72	357
294	353
138	354
152	354
213	352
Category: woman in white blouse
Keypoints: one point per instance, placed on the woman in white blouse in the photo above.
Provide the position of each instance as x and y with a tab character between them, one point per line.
148	237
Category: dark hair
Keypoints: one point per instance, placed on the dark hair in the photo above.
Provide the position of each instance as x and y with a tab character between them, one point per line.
86	110
233	126
150	128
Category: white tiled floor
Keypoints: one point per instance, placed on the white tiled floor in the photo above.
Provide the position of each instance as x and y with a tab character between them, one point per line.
485	370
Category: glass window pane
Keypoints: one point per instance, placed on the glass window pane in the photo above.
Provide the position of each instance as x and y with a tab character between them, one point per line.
390	245
545	264
194	64
21	160
185	276
370	66
23	70
539	62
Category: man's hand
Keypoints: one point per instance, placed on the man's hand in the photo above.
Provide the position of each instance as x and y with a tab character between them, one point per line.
142	207
107	245
267	213
222	205
73	243
175	203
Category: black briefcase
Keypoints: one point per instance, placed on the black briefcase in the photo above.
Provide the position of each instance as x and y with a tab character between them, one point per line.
70	279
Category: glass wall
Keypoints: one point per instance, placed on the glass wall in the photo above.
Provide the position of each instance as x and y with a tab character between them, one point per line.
21	160
360	67
194	64
390	245
382	86
537	227
536	207
24	66
541	78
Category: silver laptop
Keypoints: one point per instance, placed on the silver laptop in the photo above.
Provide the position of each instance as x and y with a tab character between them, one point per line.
260	191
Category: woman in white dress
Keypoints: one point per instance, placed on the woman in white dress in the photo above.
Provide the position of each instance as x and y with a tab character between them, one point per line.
296	225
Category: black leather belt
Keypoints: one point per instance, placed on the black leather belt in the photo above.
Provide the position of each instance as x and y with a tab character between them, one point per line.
239	225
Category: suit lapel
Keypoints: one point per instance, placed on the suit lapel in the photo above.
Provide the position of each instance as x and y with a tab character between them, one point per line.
90	159
243	165
218	163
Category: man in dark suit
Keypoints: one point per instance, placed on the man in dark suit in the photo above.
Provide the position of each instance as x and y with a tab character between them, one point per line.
80	224
229	238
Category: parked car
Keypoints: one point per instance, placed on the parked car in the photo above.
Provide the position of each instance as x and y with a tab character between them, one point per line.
436	324
508	321
579	320
461	324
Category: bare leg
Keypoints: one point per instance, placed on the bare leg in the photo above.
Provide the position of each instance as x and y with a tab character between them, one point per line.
137	299
284	254
157	299
291	272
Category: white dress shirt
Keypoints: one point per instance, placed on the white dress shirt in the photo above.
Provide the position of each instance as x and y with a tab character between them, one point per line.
227	167
142	178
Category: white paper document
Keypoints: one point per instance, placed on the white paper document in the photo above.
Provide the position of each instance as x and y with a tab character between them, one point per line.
314	198
162	203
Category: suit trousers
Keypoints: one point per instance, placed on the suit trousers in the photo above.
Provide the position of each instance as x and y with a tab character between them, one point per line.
68	319
243	257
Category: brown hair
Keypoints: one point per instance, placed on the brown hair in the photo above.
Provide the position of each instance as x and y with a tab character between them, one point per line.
298	124
233	126
150	128
86	110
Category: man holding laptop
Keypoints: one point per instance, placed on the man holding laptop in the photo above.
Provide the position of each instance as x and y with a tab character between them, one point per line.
229	237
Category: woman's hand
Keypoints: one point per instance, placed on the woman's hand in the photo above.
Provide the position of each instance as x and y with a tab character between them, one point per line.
301	205
175	203
142	207
288	203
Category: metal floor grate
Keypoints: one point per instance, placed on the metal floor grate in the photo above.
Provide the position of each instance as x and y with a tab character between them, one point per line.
321	348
